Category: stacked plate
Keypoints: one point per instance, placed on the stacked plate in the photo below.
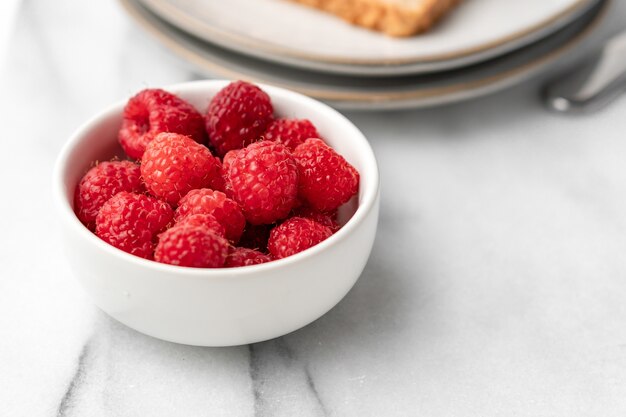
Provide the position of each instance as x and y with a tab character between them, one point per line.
483	46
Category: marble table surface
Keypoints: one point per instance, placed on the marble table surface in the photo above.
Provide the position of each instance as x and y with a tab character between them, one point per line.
496	287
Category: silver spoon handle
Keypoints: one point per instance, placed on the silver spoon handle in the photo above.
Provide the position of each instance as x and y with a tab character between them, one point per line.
594	83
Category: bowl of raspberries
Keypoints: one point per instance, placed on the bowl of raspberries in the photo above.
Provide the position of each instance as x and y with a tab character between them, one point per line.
217	213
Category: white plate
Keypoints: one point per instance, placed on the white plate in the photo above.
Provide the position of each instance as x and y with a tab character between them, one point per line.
289	33
372	93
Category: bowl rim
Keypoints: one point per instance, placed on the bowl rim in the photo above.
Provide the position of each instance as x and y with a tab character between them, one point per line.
368	195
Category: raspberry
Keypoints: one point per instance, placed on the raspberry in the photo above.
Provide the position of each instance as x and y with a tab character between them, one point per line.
205	220
215	203
101	183
264	181
153	111
327	180
131	222
328	219
226	161
295	235
218	182
194	246
237	116
291	132
255	237
245	257
174	164
228	158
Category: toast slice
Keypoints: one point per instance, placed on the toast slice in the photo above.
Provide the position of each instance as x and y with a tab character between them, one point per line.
393	17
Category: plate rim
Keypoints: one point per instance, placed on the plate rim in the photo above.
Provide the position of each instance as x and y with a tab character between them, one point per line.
390	100
276	53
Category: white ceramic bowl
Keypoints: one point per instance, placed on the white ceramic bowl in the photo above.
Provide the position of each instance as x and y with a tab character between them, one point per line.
219	307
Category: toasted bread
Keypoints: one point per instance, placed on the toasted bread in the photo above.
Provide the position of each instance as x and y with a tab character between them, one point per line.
393	17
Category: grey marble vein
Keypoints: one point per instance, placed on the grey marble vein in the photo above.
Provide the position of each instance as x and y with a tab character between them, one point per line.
79	376
283	349
259	405
280	377
311	385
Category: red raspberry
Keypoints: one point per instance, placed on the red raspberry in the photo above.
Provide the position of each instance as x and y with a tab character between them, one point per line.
264	181
101	183
295	235
196	247
131	222
327	180
153	111
226	161
228	158
215	203
174	164
205	220
245	257
237	116
218	182
291	132
328	219
255	237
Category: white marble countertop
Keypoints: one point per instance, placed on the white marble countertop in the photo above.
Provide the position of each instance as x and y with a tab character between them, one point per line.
497	284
